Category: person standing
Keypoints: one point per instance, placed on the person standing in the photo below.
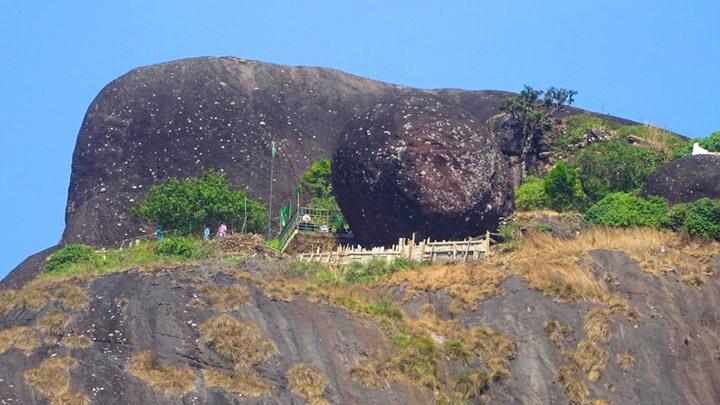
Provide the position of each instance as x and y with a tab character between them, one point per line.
206	233
222	230
159	235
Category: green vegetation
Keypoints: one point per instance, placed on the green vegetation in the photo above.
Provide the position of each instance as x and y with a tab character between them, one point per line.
614	166
563	188
627	210
531	194
82	259
317	181
188	205
351	273
578	126
415	357
532	116
698	218
70	255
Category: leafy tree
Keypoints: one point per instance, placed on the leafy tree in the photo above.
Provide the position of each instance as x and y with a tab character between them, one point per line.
531	194
317	181
563	188
614	166
627	210
186	205
531	112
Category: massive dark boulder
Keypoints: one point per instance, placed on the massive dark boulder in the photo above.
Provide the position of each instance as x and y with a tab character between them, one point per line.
420	164
686	179
178	118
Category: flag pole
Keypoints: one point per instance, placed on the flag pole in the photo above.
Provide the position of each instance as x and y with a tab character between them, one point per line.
272	161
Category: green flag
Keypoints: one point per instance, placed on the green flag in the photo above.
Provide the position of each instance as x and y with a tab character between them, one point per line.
273	149
298	189
285	213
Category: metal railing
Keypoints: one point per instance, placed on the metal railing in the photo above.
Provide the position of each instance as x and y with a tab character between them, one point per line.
311	220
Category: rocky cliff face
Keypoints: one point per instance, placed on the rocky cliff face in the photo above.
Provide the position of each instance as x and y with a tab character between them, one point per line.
85	335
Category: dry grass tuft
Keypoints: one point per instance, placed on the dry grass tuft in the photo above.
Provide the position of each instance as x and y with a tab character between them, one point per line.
76	341
467	284
495	350
70	399
21	337
558	333
242	382
550	264
71	295
53	323
575	388
31	298
372	373
597	325
52	378
161	375
591	358
598	402
237	341
7	301
307	383
221	298
625	361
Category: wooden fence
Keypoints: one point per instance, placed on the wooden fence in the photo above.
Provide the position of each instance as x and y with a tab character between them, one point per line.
425	251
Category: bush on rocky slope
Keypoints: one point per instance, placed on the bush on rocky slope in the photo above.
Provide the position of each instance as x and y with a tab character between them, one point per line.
626	210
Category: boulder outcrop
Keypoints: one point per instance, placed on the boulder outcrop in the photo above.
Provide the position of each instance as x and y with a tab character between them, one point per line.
420	164
686	179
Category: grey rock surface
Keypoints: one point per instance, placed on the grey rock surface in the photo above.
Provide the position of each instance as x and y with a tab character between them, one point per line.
686	179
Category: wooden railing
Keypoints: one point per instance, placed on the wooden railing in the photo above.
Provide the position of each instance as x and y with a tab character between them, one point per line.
426	251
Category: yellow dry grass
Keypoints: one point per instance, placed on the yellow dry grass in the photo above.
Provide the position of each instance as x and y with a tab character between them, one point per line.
243	382
7	301
71	295
467	284
52	380
162	376
230	298
308	383
22	337
76	342
70	399
575	388
625	361
591	358
558	333
53	323
597	325
235	340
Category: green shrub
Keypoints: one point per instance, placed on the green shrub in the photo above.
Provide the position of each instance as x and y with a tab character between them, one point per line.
712	142
69	255
531	194
187	205
457	350
698	218
376	268
627	210
383	307
614	166
578	126
563	188
183	247
415	357
317	182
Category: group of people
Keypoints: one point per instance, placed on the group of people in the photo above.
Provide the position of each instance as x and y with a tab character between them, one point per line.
221	232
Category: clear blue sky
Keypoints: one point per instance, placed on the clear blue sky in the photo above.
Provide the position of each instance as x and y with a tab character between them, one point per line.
652	61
